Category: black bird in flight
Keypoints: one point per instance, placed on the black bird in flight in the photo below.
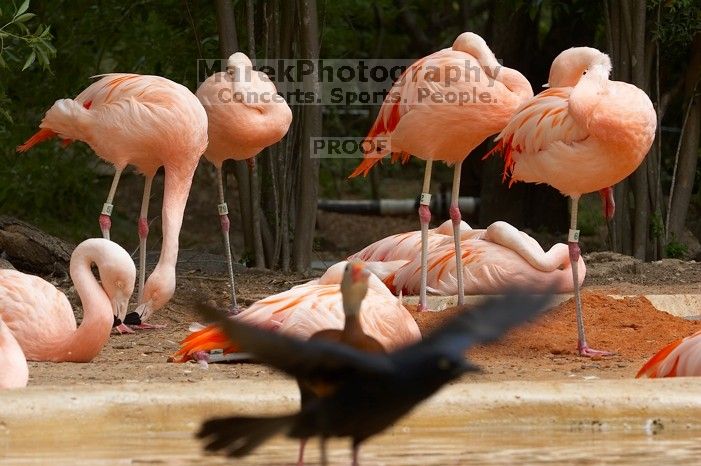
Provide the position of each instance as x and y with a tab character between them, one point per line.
365	392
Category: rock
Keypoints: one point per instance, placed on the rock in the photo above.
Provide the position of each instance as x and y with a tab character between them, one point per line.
31	250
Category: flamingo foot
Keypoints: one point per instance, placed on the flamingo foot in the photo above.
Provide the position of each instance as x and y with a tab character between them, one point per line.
421	307
234	310
146	326
587	352
121	329
133	320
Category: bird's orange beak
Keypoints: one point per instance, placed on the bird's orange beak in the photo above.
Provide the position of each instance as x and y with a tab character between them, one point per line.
358	271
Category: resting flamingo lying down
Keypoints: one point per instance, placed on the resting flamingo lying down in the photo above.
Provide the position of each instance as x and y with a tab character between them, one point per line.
681	358
493	259
306	309
13	365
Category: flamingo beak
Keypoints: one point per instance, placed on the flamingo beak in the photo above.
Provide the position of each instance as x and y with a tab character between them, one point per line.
144	310
546	85
120	304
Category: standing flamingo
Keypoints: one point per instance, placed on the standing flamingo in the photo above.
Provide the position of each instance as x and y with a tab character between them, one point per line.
14	372
309	308
245	115
149	122
442	107
583	134
681	358
40	316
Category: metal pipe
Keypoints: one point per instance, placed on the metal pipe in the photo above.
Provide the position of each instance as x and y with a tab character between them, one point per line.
440	203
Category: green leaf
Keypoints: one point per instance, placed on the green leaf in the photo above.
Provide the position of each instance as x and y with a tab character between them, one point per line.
30	59
22	8
25	17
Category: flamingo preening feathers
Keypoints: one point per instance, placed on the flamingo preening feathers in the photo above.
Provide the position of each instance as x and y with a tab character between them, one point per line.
245	115
583	134
435	115
493	259
148	122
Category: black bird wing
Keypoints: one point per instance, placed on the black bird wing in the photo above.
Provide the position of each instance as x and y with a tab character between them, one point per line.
482	324
311	359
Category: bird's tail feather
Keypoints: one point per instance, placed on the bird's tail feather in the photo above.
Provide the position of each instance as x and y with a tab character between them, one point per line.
238	435
206	339
651	368
38	137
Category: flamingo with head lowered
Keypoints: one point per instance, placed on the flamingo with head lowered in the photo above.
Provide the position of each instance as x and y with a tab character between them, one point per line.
40	316
148	122
441	108
583	134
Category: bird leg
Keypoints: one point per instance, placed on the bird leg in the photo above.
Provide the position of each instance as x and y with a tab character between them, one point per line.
143	234
608	201
456	218
300	458
105	219
425	219
356	459
324	461
225	224
573	243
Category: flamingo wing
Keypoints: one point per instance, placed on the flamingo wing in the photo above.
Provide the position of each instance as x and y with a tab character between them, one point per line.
538	125
681	358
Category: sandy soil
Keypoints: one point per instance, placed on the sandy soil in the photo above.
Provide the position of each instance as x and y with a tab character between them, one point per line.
540	351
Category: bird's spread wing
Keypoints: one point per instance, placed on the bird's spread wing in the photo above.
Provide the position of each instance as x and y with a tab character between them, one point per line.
483	324
315	359
540	122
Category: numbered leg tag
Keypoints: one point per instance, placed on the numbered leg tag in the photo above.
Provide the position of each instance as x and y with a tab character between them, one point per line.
573	237
107	208
223	209
425	199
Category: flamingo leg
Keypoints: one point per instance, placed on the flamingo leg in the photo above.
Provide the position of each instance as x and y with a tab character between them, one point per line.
143	235
300	458
356	459
425	218
457	218
225	224
133	319
105	218
573	243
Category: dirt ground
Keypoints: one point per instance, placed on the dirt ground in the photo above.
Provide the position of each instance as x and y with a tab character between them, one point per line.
540	351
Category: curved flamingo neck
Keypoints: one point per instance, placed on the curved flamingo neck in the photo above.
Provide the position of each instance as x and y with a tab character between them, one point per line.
92	334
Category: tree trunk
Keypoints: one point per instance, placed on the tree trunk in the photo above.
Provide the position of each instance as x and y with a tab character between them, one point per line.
685	172
308	174
641	219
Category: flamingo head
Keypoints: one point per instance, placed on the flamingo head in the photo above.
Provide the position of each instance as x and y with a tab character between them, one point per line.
118	282
354	286
158	290
569	67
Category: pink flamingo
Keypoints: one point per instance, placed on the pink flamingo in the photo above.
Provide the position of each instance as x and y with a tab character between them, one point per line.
149	122
444	106
493	259
40	316
14	372
245	115
681	358
314	306
584	134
